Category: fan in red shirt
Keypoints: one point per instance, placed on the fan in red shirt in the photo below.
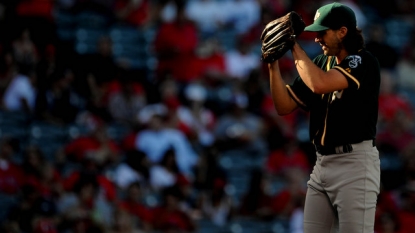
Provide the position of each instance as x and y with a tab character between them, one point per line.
40	8
80	207
387	211
210	60
175	45
133	205
292	196
407	214
37	16
91	171
49	183
169	217
395	116
11	175
289	156
41	173
46	219
97	146
134	12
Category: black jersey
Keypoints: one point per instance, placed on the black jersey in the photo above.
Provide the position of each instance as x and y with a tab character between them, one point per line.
344	116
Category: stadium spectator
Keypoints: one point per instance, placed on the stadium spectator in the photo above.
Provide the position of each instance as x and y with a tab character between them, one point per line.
257	201
20	94
241	61
82	209
175	45
41	173
290	155
405	69
126	100
124	223
37	15
395	113
8	69
132	203
96	145
168	217
22	213
407	211
25	51
11	174
90	171
58	103
208	15
134	12
291	197
182	99
216	205
156	139
238	130
166	173
376	43
199	120
134	169
241	15
210	60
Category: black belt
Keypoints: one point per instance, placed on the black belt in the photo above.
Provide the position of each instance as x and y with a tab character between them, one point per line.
329	150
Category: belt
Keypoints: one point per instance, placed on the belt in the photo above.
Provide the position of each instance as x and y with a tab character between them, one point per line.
346	148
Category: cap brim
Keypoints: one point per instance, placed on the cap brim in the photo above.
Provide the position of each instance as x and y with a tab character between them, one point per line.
315	28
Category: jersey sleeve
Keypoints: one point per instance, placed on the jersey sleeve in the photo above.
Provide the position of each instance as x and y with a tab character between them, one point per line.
301	94
352	67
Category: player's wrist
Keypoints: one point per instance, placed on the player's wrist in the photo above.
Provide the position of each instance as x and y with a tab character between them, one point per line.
273	65
296	47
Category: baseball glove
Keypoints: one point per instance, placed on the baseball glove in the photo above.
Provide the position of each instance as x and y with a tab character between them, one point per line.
279	36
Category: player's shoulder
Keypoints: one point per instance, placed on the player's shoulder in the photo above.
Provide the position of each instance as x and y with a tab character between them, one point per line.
320	59
362	54
362	57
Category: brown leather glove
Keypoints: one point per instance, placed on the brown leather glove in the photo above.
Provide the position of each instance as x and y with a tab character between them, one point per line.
279	36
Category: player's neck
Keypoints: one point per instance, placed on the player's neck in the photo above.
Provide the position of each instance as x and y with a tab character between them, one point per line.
341	55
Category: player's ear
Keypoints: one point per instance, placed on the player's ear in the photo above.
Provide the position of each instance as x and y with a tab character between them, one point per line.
341	32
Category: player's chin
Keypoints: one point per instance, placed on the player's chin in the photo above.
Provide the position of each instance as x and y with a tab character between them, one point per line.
326	51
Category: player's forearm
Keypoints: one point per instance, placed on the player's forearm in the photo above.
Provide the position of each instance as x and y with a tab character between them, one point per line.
311	74
283	102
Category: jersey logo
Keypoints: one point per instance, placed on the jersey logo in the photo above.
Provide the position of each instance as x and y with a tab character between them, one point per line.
348	70
355	61
336	95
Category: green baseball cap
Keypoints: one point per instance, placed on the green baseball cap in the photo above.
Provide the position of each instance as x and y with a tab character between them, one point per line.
332	16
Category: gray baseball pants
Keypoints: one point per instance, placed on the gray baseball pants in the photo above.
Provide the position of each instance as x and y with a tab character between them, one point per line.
342	191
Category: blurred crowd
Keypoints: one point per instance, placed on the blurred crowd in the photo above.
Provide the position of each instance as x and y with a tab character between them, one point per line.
195	112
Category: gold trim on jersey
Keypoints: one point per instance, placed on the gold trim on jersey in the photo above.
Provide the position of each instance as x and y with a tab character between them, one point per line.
328	63
295	96
323	136
348	75
325	122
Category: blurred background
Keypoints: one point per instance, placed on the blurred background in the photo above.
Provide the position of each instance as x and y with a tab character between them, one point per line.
130	116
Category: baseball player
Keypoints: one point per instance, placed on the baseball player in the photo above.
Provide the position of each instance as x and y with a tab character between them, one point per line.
340	90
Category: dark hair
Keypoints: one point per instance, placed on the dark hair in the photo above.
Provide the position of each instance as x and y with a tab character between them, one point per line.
354	41
13	142
27	167
172	190
171	152
85	179
134	158
134	184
